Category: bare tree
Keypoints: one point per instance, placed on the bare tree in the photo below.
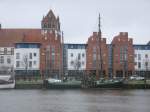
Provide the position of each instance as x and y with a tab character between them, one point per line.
77	64
25	62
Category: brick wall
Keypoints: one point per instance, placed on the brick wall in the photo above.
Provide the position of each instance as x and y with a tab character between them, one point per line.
91	46
123	55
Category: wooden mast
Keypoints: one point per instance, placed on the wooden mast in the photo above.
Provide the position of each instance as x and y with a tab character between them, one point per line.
99	60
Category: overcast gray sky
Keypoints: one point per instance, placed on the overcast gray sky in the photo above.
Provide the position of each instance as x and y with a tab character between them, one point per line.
79	18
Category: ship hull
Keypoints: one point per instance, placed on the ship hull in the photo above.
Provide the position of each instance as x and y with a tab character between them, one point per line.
7	86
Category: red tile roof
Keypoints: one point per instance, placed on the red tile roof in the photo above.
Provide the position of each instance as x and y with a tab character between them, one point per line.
10	36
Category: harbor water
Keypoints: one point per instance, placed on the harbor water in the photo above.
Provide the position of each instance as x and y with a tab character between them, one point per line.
94	100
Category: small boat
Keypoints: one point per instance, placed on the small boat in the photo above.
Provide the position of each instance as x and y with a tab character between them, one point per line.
59	84
109	84
7	80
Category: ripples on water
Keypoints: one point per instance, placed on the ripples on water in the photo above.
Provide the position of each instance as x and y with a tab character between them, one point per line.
75	100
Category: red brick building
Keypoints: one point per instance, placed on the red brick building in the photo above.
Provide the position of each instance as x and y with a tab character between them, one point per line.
50	38
122	55
95	45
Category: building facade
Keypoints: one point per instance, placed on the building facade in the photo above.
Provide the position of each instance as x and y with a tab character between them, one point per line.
27	58
49	36
74	59
55	59
95	45
122	56
142	59
6	58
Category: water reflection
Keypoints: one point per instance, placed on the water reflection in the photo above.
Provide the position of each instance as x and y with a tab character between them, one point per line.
75	100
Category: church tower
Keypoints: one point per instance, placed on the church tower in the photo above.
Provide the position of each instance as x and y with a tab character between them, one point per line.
51	23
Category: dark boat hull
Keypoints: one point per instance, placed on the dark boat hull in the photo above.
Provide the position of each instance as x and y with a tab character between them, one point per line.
62	85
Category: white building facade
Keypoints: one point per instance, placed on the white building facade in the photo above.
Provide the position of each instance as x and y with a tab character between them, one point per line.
142	58
27	57
6	58
74	59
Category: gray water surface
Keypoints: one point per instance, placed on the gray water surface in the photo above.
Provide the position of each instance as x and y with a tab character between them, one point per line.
75	100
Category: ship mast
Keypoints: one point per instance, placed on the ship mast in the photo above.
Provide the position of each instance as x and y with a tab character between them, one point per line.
99	60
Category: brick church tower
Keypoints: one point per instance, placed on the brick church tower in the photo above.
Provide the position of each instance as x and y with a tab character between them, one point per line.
51	57
50	22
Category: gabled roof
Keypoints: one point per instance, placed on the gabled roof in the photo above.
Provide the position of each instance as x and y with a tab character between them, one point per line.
49	14
10	36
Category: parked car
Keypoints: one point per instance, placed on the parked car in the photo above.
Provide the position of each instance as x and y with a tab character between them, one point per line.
135	77
53	80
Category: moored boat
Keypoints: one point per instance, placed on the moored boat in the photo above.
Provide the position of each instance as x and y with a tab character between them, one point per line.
7	77
109	84
7	82
58	84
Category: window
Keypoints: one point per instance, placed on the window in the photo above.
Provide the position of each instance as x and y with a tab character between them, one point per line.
135	63
12	51
94	59
2	59
30	64
71	46
2	50
139	56
30	55
79	64
5	50
53	61
79	56
123	53
146	55
34	54
8	50
94	63
83	55
34	62
94	49
17	63
8	60
82	62
139	65
53	51
71	54
94	56
72	63
53	58
17	55
146	64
